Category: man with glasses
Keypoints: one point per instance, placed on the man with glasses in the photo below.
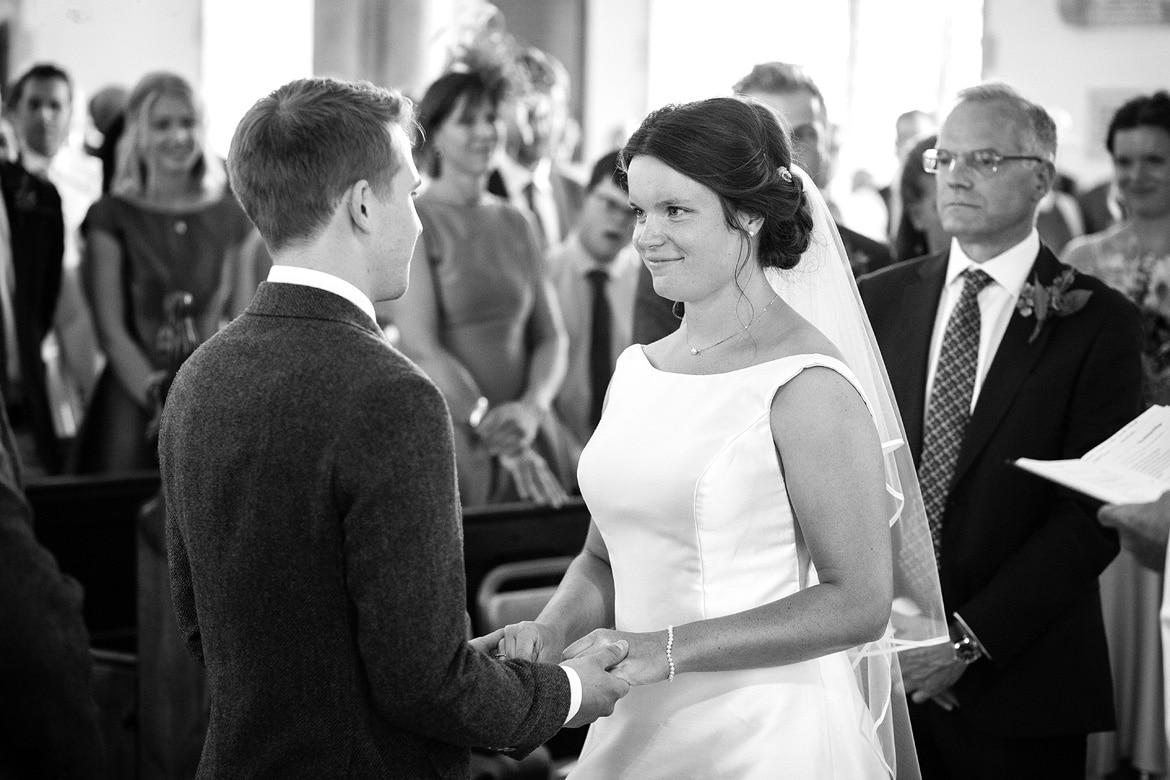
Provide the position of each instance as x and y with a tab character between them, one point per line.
986	370
595	273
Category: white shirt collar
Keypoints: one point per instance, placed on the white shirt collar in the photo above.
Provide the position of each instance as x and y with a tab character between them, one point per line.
1009	269
309	277
584	263
516	177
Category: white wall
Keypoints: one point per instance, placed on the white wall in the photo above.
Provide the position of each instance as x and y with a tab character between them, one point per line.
617	56
233	51
102	42
1061	67
249	49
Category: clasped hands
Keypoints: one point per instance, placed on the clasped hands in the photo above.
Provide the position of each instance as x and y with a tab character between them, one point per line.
508	431
928	674
608	661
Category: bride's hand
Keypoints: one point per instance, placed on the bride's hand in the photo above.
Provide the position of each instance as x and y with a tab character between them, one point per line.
527	641
645	663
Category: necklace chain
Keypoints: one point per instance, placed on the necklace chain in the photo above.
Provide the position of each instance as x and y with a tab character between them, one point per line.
699	350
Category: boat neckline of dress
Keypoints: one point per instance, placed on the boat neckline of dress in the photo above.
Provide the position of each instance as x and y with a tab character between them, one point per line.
820	355
169	211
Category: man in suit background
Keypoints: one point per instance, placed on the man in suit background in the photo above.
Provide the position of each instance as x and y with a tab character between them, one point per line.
528	174
797	98
595	274
982	377
40	107
313	523
32	244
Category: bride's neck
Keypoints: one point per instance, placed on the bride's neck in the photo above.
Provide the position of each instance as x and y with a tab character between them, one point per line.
727	312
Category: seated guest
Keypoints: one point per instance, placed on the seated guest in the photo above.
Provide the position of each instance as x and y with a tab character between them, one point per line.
481	317
919	231
595	273
48	718
1133	257
169	225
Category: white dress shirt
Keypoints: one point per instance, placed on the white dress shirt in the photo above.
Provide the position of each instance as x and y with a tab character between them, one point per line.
997	302
544	203
569	266
309	277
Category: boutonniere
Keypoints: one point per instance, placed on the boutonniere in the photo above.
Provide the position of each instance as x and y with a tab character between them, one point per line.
1050	300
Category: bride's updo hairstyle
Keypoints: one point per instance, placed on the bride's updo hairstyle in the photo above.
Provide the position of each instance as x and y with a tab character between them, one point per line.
737	148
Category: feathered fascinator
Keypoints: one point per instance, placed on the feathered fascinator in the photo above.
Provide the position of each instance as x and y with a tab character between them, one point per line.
481	44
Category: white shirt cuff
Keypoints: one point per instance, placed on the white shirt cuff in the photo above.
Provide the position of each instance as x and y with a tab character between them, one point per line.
574	691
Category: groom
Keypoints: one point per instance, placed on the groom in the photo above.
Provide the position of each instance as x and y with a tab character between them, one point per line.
313	524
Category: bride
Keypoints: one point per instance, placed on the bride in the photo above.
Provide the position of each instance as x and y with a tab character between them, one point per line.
757	535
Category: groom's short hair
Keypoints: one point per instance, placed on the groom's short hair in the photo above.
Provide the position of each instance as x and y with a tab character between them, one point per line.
297	151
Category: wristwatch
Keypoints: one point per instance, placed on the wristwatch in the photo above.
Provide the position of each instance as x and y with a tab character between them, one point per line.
967	649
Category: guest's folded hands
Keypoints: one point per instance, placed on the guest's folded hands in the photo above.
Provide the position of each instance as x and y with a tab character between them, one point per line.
645	661
929	673
534	479
510	427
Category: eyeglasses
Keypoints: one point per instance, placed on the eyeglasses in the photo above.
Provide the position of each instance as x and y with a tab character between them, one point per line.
983	161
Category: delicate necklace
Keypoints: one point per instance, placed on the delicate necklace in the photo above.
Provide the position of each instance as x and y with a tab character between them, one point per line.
752	321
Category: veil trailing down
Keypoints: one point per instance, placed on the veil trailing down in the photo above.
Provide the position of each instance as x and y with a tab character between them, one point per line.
822	290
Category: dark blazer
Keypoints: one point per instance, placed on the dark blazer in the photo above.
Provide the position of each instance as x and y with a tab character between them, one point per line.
1020	556
38	245
314	538
48	718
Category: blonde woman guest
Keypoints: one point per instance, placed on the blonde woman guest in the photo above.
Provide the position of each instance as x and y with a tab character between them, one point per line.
168	225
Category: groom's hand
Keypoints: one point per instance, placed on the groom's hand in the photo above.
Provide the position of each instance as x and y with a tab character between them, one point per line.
600	689
526	641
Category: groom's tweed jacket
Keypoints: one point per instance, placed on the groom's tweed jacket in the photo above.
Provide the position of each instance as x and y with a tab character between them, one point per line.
316	557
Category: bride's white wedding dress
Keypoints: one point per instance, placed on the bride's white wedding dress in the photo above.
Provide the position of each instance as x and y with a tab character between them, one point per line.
683	481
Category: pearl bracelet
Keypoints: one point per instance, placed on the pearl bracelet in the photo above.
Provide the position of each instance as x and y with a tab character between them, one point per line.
669	657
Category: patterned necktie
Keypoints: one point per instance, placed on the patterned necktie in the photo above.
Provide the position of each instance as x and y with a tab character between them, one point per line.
600	338
950	402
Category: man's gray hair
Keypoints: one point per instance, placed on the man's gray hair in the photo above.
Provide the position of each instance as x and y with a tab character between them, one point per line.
1031	118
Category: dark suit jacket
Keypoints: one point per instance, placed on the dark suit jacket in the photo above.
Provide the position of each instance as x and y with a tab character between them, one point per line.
48	718
38	245
313	532
1020	556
